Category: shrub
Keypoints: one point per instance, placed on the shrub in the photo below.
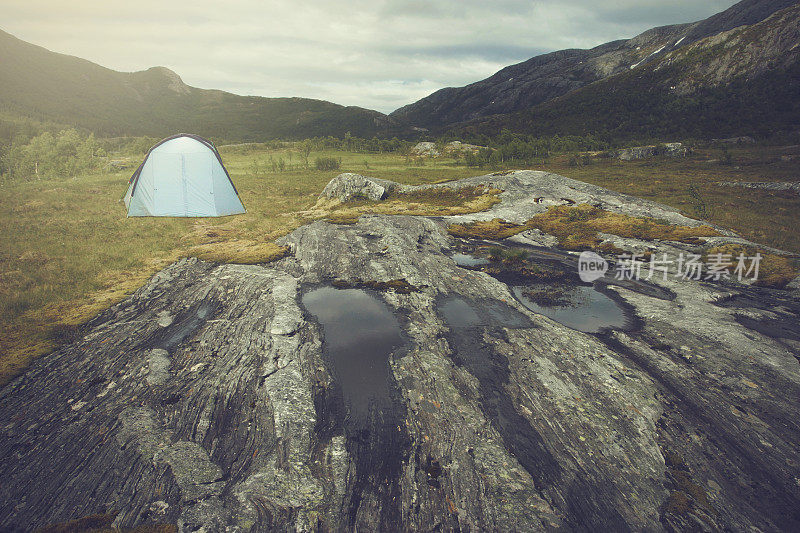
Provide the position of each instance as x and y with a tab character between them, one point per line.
327	163
515	256
49	156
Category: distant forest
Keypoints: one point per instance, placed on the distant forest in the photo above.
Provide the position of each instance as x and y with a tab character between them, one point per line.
39	150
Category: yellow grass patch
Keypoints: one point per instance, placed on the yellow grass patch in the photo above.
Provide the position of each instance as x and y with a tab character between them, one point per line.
244	252
39	331
494	229
438	201
20	345
343	217
471	196
577	228
774	270
691	185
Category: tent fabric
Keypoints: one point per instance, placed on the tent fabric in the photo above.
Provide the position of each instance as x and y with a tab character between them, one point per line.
182	176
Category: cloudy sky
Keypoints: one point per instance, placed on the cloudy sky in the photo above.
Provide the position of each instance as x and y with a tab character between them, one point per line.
379	54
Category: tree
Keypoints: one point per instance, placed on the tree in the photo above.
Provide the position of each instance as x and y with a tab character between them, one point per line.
48	156
305	151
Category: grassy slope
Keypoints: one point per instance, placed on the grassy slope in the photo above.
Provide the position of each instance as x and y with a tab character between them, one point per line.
47	86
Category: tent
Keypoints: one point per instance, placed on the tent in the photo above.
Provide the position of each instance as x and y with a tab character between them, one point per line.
182	176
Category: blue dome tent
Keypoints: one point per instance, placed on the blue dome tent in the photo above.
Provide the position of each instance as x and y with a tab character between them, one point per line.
182	176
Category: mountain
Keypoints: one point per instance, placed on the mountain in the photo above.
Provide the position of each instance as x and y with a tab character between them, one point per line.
546	77
741	81
57	88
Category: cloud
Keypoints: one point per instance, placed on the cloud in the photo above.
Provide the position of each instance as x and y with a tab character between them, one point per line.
659	14
378	54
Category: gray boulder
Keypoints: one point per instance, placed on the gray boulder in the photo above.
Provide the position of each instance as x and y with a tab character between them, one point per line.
767	185
459	147
349	186
644	152
425	148
115	165
745	139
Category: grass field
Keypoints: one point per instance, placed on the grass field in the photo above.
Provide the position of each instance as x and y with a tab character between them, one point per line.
690	185
67	251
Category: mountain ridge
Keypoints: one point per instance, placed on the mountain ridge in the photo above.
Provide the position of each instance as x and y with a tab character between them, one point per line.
53	88
50	86
741	81
546	77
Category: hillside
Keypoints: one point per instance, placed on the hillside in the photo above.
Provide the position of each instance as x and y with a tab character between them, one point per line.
52	87
743	81
546	77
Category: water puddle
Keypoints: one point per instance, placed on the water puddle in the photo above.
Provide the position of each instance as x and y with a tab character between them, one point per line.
515	264
468	260
579	307
360	334
546	282
458	313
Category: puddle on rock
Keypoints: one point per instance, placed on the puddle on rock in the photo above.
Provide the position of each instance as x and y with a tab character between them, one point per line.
519	263
580	307
458	313
546	282
468	260
360	334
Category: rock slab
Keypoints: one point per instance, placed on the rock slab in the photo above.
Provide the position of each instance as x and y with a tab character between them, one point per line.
228	417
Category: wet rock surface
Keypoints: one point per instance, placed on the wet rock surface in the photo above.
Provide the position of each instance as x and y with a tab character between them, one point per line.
213	397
